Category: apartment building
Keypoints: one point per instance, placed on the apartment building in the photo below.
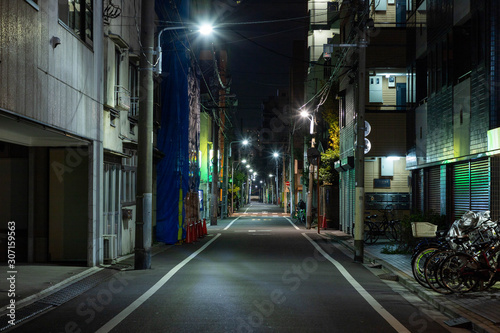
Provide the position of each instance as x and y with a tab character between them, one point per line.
51	129
386	89
453	152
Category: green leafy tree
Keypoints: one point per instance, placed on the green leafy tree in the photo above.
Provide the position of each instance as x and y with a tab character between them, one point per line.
327	173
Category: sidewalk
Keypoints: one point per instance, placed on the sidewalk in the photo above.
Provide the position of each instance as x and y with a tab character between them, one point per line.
479	311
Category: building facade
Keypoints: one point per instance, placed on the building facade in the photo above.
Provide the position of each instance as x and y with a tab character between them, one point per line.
386	183
453	153
51	141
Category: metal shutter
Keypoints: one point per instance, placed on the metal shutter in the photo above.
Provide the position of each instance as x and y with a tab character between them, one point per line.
434	190
480	185
471	187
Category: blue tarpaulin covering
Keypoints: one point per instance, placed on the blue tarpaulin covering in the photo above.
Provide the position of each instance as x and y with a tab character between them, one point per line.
173	169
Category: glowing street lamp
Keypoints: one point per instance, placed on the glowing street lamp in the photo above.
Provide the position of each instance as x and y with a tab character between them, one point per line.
305	114
205	30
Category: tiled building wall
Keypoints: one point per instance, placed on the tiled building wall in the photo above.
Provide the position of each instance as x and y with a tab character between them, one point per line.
440	126
480	111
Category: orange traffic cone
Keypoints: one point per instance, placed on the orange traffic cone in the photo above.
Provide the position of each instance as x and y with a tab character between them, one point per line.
189	236
200	229
205	227
196	231
324	223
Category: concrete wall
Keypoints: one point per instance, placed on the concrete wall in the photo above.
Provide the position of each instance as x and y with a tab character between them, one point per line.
57	86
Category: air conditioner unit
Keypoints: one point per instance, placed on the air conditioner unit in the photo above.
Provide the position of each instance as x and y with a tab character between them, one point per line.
110	248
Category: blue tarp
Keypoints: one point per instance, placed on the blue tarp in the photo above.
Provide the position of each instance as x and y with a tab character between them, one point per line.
173	169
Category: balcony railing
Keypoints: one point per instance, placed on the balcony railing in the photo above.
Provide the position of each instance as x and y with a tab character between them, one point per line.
122	98
134	107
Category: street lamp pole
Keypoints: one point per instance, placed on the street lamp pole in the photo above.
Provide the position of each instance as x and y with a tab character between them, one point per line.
144	199
360	139
305	114
245	142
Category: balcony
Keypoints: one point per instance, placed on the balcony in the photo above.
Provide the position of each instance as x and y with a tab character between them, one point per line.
134	107
122	98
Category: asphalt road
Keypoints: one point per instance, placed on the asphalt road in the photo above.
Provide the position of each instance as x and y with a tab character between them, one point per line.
253	273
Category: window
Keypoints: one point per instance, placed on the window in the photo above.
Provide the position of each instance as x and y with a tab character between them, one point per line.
133	76
77	15
342	108
129	180
111	206
118	61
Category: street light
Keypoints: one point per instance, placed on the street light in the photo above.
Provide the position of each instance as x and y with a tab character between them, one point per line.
272	192
276	155
306	114
205	29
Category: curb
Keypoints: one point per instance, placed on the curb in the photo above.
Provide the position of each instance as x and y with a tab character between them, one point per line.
155	249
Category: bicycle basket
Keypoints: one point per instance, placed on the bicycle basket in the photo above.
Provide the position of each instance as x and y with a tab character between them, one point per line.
423	229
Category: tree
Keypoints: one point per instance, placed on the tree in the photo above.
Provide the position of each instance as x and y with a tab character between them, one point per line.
327	173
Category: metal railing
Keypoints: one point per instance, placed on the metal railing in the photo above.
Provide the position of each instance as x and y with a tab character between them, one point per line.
122	98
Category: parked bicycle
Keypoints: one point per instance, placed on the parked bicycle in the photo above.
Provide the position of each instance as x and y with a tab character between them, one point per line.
299	215
388	227
467	260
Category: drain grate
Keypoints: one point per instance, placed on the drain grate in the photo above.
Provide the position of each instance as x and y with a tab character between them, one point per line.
78	288
23	314
57	298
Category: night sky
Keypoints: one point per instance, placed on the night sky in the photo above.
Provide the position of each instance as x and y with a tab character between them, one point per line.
260	54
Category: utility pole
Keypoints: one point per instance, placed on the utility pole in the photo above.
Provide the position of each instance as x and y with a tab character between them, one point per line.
225	173
292	176
283	184
360	138
215	171
310	192
144	196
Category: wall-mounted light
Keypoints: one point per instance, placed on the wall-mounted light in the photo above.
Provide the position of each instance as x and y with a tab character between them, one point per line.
54	41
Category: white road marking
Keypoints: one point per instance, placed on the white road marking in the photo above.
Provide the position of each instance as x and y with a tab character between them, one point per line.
292	223
144	297
230	224
362	291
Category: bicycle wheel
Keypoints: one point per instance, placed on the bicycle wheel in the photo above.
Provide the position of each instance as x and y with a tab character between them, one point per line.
431	269
394	230
458	272
371	233
418	265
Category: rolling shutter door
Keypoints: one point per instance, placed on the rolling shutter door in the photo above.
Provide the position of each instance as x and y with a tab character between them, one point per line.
471	190
433	190
461	193
419	191
480	185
